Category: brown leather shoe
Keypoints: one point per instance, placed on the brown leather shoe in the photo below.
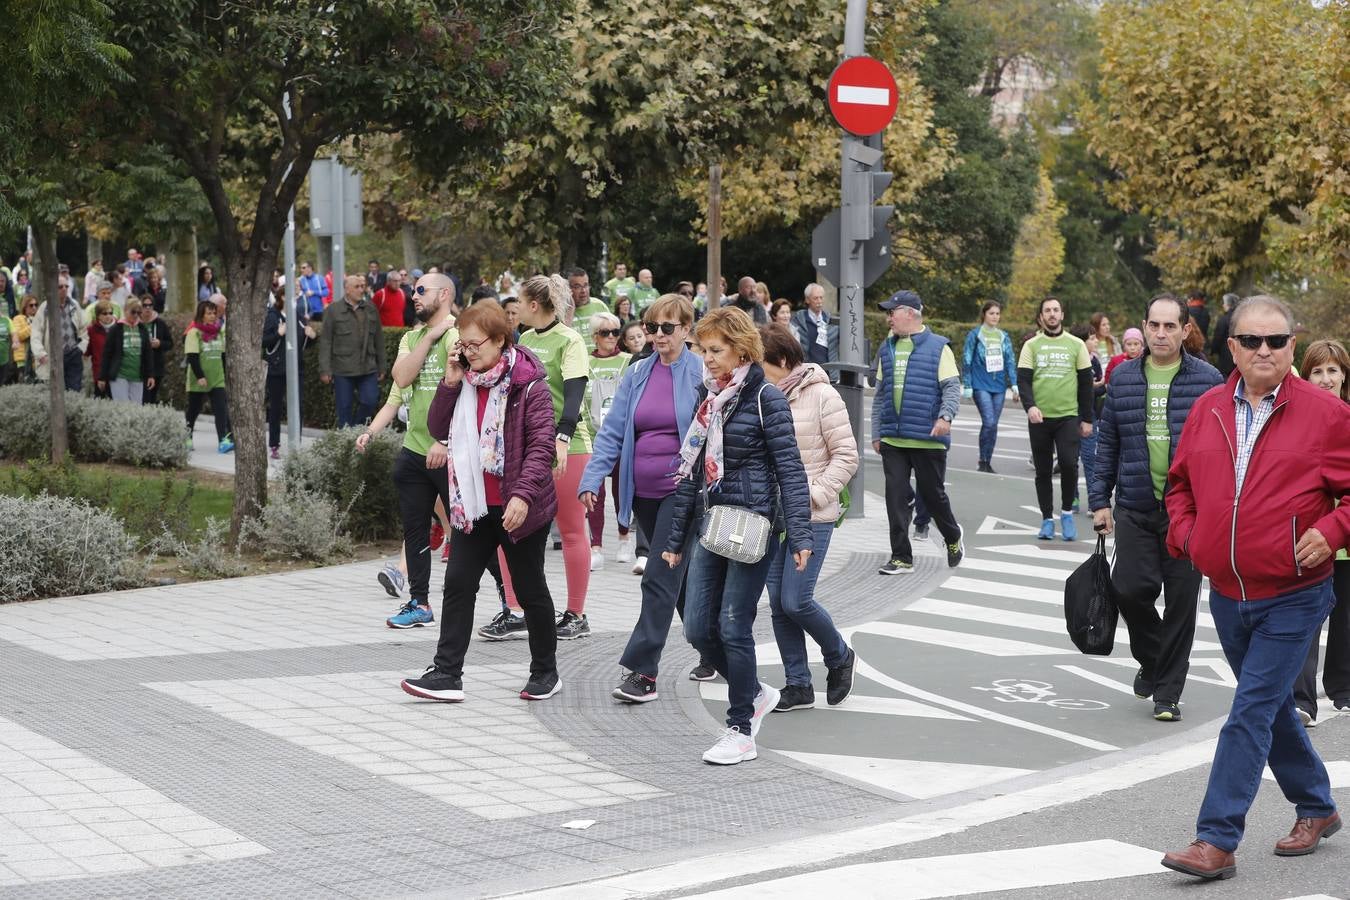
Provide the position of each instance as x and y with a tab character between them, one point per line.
1203	860
1306	834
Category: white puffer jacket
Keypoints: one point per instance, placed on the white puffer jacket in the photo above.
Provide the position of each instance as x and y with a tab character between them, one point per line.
825	439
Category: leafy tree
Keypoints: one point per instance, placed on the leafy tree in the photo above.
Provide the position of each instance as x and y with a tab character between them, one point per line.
246	95
1038	255
1204	116
1049	34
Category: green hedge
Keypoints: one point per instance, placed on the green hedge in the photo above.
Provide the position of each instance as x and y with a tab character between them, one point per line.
317	397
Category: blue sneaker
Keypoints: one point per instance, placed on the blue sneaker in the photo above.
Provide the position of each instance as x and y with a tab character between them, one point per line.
1067	526
1047	530
226	446
412	615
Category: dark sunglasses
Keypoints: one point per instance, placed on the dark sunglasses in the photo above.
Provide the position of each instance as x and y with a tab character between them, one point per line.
686	293
422	290
607	332
663	327
1253	341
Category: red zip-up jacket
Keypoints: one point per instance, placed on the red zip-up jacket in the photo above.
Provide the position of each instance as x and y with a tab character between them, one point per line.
1299	468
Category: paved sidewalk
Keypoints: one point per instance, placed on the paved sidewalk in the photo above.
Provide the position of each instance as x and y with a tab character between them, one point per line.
205	454
248	738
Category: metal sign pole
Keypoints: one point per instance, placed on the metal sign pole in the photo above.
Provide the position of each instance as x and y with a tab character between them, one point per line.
854	193
339	216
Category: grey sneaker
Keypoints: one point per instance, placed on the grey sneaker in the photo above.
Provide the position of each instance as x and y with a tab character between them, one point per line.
897	566
572	626
506	627
920	532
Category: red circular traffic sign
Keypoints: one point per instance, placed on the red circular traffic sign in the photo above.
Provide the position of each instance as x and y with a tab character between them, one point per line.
863	95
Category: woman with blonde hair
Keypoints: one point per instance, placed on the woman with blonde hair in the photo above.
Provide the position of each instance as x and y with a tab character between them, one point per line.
545	301
740	452
1327	365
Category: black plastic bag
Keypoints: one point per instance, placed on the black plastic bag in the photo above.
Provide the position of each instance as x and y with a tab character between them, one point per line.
1091	605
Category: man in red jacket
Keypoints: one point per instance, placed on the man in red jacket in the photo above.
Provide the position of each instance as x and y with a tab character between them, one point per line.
391	301
1263	459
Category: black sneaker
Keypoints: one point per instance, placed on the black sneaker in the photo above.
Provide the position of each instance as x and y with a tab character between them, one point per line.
897	566
505	627
572	626
435	685
920	532
985	467
795	696
839	681
541	687
956	551
635	688
1143	687
702	672
1166	712
1342	705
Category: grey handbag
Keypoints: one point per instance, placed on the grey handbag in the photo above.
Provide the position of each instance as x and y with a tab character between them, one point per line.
735	532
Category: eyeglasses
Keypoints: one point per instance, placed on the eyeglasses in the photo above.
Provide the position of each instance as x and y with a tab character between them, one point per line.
663	327
466	347
1253	341
422	290
607	332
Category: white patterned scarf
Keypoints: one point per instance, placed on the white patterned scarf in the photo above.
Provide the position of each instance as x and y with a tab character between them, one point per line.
706	427
470	458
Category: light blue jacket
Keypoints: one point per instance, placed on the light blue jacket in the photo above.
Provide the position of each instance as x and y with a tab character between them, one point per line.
615	440
973	372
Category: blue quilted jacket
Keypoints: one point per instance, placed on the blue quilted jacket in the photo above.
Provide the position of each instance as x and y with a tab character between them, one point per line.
1122	446
761	464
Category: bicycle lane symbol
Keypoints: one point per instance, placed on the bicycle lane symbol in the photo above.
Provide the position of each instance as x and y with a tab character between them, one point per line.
1018	690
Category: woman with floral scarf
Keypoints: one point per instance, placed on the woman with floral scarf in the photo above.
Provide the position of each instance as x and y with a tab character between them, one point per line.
493	422
740	450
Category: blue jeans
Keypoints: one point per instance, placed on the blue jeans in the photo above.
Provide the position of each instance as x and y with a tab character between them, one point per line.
796	612
1266	642
990	406
719	612
367	391
1087	455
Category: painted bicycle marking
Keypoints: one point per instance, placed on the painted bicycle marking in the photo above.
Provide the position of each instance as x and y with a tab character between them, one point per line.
1018	690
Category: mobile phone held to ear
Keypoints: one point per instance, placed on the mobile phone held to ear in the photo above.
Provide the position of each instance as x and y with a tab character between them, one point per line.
463	361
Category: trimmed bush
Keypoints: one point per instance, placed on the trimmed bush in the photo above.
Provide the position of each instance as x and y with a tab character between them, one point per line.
298	524
54	547
330	467
99	430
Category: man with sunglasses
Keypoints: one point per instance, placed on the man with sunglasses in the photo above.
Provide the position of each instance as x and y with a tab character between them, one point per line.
1252	501
1147	403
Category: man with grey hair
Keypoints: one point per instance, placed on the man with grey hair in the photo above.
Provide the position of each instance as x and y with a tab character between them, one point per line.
1223	357
351	353
815	330
1251	500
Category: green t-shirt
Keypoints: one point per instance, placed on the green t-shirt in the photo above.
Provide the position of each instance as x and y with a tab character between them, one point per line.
212	360
422	391
946	369
6	335
605	375
563	354
130	369
616	286
1054	363
581	321
642	297
1156	433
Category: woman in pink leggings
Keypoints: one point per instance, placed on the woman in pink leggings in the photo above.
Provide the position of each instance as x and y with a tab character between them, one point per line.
563	355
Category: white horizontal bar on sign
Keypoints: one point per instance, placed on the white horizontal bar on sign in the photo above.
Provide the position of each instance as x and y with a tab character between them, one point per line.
866	96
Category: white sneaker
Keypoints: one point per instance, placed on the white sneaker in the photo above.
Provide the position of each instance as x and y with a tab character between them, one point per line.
765	701
640	565
731	748
625	551
597	559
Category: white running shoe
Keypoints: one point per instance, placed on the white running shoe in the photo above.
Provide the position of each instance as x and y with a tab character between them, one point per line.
597	559
731	748
640	565
765	701
625	551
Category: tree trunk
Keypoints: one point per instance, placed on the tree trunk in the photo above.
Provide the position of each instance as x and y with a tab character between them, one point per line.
248	279
714	273
93	248
181	278
44	240
1249	253
412	255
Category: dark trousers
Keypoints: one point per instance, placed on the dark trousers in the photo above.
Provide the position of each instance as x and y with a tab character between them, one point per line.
72	363
366	390
276	407
1051	438
470	554
927	467
1161	645
418	487
1336	675
662	590
219	408
150	396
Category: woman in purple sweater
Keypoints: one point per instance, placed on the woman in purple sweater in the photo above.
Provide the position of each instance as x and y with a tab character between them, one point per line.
493	421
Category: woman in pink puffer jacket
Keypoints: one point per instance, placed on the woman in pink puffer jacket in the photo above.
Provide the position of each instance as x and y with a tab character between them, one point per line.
830	456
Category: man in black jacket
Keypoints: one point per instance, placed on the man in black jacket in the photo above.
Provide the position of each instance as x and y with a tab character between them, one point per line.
1223	357
1147	402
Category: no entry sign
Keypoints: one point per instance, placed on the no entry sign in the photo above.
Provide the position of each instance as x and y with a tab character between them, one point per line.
863	95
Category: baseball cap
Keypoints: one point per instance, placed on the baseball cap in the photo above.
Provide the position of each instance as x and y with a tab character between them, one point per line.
902	298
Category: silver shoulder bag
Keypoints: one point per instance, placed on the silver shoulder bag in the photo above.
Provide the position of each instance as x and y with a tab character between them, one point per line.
735	532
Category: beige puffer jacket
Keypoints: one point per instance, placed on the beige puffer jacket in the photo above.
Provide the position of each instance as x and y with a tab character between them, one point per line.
825	439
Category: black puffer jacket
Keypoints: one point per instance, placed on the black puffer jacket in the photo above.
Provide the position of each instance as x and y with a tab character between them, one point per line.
761	464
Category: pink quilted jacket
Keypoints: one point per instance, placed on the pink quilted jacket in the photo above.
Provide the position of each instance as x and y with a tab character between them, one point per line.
825	439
